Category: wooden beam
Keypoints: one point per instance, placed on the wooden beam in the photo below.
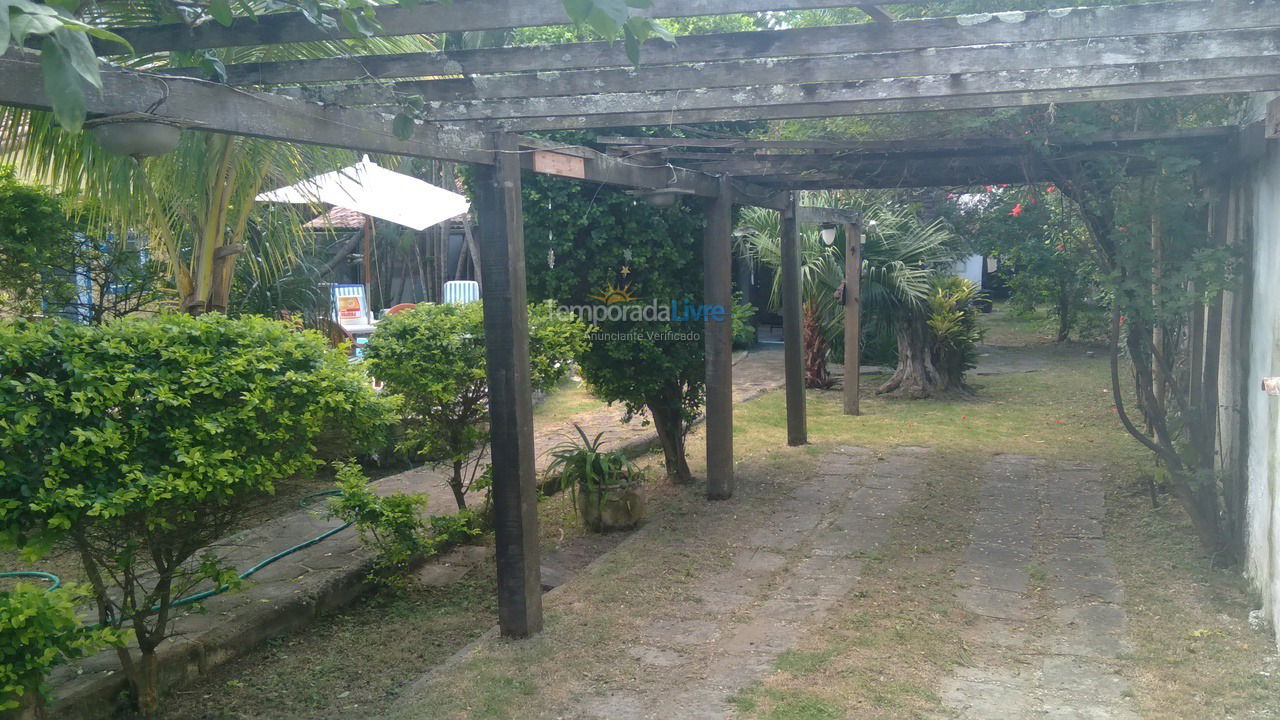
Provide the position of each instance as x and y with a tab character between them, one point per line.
1273	120
792	327
598	167
426	19
683	103
1129	20
807	215
1173	47
717	266
877	13
852	317
506	329
980	145
927	103
219	108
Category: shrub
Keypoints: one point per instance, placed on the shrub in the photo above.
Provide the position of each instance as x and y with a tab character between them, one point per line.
744	327
141	442
391	525
40	629
395	526
434	356
37	247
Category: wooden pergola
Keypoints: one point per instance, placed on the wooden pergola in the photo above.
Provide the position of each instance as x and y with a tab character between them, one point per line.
478	101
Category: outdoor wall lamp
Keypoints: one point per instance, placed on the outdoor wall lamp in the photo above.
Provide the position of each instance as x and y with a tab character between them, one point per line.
136	135
828	233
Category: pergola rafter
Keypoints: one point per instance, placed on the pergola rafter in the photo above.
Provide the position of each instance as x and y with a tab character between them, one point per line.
1040	26
475	99
479	91
427	18
813	165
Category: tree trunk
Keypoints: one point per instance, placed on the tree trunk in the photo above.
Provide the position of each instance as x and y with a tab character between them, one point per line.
815	351
670	428
455	484
1064	312
915	375
31	706
147	683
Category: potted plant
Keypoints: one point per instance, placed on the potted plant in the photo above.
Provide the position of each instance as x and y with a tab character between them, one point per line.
603	483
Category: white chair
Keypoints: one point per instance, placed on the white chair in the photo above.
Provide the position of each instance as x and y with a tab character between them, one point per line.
459	292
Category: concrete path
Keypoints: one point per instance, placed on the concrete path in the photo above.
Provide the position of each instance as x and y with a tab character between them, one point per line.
1038	575
788	568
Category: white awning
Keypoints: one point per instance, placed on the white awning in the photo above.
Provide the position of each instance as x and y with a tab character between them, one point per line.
371	189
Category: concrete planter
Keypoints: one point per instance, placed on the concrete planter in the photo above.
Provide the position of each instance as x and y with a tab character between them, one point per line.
610	510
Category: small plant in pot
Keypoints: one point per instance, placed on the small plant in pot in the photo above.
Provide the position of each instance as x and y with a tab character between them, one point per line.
603	483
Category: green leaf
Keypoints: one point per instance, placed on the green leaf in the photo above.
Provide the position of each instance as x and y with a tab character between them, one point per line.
220	11
38	20
62	85
578	10
4	26
403	126
632	43
80	53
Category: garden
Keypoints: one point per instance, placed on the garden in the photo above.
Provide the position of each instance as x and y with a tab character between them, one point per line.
253	440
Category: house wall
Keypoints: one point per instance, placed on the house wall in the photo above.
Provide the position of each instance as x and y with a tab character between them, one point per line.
1261	198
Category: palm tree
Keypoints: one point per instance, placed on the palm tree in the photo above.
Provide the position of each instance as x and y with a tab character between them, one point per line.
195	204
899	255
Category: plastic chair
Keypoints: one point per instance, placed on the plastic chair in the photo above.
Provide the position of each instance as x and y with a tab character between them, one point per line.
397	309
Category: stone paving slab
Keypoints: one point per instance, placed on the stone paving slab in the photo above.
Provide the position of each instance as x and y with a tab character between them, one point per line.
786	577
1047	655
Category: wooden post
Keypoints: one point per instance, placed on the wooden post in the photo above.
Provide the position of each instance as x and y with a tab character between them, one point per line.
852	316
717	261
792	330
506	327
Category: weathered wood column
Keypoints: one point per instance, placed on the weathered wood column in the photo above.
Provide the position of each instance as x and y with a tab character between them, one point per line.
717	259
852	316
506	329
792	325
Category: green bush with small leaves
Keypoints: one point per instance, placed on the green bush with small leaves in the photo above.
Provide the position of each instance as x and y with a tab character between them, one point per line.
40	629
395	526
434	356
142	442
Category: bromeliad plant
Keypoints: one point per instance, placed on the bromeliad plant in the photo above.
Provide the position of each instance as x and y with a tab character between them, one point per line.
603	483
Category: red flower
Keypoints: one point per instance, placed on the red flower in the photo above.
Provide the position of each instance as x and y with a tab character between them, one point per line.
1017	210
1052	189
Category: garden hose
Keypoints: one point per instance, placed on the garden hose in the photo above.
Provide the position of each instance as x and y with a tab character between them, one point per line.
57	581
197	597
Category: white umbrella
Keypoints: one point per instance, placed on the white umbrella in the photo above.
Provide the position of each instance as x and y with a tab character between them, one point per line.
371	189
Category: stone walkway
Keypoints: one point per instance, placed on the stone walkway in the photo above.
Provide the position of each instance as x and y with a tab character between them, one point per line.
788	567
292	592
1038	574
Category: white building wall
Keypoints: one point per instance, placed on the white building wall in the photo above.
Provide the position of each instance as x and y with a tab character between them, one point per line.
1262	562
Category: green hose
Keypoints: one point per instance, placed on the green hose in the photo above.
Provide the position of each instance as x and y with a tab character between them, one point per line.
57	581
